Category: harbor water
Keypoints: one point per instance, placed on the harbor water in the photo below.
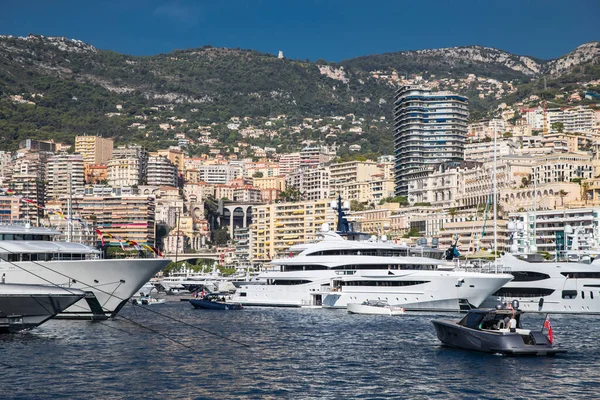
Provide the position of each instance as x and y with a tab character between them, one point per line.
291	353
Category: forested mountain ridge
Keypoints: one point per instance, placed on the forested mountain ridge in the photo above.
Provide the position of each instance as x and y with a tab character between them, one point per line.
59	87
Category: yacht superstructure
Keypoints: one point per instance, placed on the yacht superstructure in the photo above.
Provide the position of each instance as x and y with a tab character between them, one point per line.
549	286
336	271
29	256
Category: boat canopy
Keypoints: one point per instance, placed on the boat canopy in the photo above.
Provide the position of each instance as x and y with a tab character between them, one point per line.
37	246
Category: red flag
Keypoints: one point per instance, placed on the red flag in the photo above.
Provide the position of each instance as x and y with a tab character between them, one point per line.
548	326
101	235
157	251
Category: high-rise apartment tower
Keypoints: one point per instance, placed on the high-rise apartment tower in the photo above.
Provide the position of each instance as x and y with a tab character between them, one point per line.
429	128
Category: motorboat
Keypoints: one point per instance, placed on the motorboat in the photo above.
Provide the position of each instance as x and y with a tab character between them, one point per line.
27	306
374	307
549	286
29	255
213	301
147	300
487	331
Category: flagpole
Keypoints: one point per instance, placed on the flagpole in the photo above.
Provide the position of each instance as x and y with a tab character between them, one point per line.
495	200
70	212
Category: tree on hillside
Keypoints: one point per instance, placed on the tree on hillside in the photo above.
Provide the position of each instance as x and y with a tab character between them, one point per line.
558	126
355	205
221	236
291	193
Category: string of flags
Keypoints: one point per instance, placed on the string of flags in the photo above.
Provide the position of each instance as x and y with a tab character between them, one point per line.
101	234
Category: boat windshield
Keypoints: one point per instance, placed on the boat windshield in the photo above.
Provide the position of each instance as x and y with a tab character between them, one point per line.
479	319
472	319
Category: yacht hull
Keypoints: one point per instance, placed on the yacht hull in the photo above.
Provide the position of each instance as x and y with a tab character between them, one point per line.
450	291
566	288
454	335
27	306
443	291
111	282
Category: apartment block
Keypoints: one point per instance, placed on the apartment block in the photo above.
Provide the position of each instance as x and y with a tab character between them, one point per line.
364	181
311	157
64	172
10	207
576	119
484	151
429	128
274	182
313	183
289	163
261	169
130	217
562	167
473	235
161	172
94	150
219	173
94	174
278	226
247	194
175	155
547	229
40	145
128	166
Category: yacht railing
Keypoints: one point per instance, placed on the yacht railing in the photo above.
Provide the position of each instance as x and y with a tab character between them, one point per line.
486	267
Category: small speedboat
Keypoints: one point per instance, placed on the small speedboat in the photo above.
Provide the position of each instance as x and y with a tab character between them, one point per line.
147	300
487	331
214	302
374	307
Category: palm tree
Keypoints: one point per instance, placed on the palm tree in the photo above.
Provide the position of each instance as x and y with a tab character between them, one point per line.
585	186
562	195
452	212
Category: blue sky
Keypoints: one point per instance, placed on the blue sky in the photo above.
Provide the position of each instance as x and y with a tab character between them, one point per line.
330	29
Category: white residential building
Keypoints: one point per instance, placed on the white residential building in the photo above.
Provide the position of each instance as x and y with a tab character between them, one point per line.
127	167
313	183
219	173
161	171
576	119
64	171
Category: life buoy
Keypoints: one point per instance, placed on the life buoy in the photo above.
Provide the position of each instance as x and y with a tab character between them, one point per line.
501	324
515	304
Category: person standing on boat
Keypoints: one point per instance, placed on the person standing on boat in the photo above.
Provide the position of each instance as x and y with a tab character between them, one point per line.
512	324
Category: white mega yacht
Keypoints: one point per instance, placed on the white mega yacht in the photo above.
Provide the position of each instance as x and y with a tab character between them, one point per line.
335	272
27	306
549	286
29	256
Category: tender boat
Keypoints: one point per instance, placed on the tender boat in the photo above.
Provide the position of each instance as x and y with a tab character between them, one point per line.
374	307
29	255
147	300
486	331
214	302
27	306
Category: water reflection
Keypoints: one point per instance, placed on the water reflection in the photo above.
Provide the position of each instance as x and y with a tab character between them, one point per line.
294	353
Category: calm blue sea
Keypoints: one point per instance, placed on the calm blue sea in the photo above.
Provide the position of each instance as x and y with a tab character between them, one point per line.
293	353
